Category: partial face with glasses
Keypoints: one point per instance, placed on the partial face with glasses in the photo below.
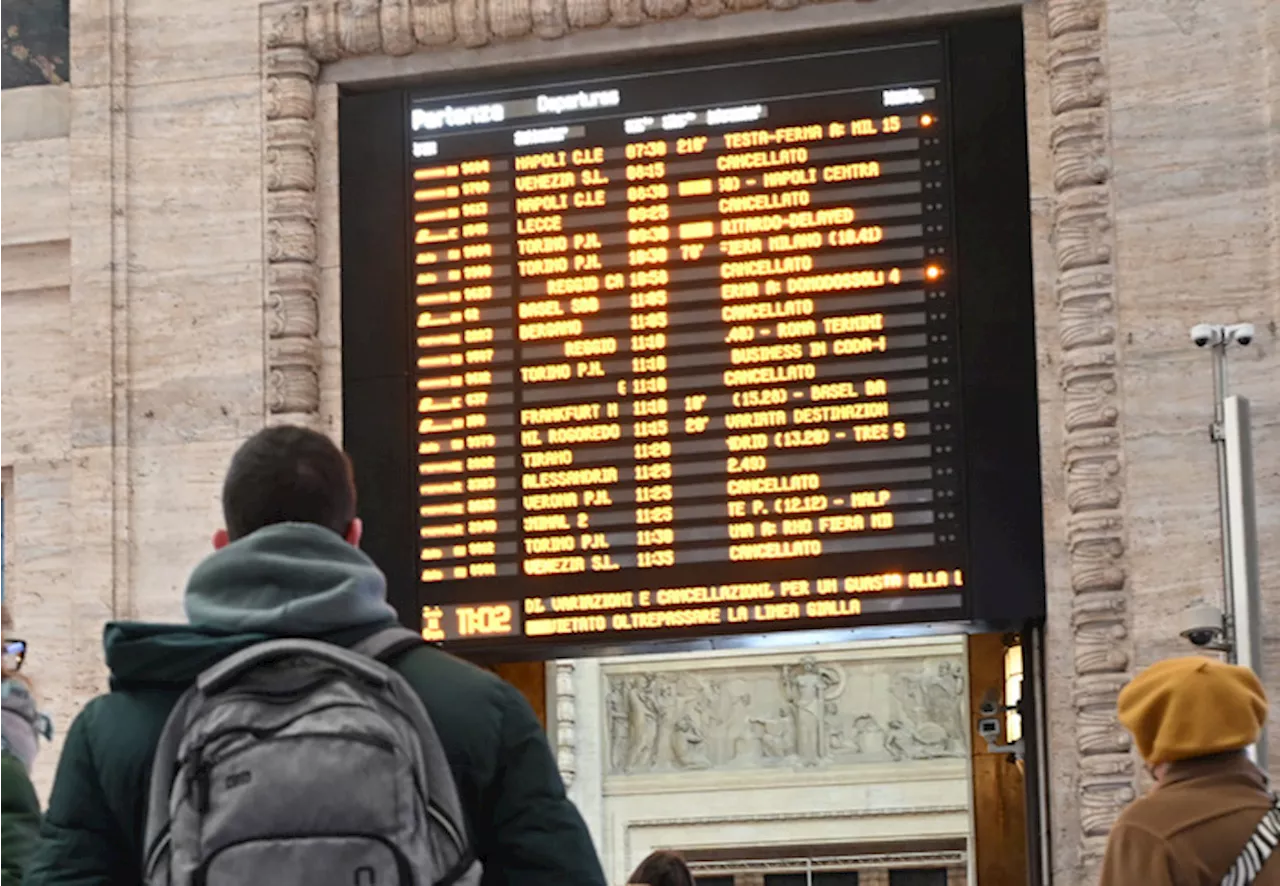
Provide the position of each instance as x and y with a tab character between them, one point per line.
15	651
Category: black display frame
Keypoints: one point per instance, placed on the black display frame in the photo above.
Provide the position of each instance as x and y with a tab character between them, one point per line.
993	275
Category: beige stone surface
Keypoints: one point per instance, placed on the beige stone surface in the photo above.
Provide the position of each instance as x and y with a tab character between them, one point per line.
329	252
175	509
35	351
34	113
1194	140
34	204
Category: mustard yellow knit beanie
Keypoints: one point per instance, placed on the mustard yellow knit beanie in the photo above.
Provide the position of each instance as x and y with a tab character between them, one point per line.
1192	707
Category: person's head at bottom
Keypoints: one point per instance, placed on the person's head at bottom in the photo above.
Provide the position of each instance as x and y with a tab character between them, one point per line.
661	868
288	474
1187	708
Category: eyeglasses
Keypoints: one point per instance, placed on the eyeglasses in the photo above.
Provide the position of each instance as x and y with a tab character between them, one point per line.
14	653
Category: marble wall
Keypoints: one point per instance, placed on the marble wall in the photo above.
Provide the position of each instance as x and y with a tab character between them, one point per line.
35	436
170	285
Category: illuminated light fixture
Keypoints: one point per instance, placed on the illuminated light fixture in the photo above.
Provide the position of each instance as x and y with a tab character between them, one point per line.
926	119
1012	693
932	272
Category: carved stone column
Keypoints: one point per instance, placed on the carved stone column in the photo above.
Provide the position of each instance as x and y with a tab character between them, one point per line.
566	713
1085	284
292	310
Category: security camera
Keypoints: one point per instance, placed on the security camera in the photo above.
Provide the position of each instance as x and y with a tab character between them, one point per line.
1241	333
1205	334
1203	626
990	704
989	728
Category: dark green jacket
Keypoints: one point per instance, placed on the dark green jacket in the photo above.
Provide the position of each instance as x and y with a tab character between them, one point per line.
20	818
525	830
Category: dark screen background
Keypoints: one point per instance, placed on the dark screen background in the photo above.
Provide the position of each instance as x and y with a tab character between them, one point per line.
991	276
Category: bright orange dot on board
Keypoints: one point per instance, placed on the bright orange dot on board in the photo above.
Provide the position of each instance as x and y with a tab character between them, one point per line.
933	272
926	119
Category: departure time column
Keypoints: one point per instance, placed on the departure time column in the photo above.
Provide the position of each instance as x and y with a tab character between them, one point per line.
648	276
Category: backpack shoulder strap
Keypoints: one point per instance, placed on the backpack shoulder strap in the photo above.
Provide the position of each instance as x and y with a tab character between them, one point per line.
383	646
163	770
1262	842
386	644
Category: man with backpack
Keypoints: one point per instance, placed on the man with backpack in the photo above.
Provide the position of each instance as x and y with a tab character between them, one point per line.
291	733
1211	818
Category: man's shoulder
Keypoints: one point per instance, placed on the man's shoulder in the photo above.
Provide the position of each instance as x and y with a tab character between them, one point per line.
121	728
455	690
438	675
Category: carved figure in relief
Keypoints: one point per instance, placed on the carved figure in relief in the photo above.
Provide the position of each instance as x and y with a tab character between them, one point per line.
663	702
869	738
688	744
809	688
728	727
942	695
776	737
619	735
905	741
642	723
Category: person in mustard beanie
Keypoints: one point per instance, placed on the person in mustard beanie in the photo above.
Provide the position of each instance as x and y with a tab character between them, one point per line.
1211	814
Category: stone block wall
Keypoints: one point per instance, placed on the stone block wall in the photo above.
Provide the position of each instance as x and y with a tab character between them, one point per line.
35	397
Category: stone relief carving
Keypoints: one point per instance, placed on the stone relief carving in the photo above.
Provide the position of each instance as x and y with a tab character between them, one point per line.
298	35
808	714
1085	285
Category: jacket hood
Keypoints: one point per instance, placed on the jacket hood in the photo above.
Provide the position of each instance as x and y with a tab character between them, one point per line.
289	579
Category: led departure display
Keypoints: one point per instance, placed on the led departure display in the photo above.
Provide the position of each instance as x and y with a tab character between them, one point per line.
685	349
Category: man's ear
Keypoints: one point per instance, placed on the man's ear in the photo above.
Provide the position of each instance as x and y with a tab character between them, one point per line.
221	539
355	532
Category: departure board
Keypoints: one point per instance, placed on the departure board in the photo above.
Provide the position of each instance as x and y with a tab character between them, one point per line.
685	348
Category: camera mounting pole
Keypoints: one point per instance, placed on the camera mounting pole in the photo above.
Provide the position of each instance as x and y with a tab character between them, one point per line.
1232	438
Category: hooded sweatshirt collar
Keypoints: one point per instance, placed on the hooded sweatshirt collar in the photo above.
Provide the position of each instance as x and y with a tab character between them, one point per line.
285	580
294	579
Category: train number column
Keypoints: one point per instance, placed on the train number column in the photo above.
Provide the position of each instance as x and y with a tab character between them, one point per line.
462	298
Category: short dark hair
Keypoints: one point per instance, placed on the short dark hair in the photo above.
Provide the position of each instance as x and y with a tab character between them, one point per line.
662	868
288	474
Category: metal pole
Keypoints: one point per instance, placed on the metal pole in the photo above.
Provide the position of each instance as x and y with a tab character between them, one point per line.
1242	555
1217	435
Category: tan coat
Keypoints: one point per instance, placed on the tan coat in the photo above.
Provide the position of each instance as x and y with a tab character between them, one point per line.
1190	829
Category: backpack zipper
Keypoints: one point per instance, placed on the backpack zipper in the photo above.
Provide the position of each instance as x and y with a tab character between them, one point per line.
372	741
201	875
261	733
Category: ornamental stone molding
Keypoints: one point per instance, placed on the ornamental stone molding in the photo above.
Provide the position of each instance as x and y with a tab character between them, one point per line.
1089	358
301	35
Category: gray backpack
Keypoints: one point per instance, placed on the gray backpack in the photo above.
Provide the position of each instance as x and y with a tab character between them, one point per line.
300	762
